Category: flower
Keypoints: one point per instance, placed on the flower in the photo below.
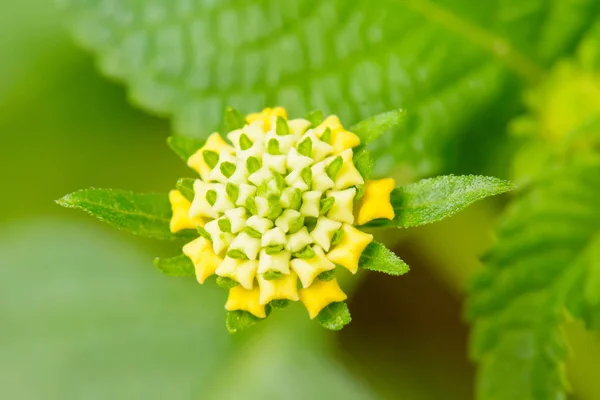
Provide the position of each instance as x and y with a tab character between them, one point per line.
276	207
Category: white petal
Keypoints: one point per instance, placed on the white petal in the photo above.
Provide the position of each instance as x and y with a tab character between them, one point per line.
324	230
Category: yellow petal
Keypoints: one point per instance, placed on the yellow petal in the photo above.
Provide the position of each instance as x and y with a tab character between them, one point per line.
181	209
245	300
205	261
332	122
267	116
343	140
309	269
214	143
349	249
375	203
284	288
319	295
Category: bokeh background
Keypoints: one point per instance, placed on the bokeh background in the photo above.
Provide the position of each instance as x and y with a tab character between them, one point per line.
85	315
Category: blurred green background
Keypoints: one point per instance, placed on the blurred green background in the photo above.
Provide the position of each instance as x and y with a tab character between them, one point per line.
85	315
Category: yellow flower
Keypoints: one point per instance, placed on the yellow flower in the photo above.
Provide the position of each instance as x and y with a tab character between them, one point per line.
241	299
205	261
181	209
376	201
319	295
350	248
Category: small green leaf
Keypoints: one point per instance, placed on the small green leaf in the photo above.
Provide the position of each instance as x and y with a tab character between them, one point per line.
274	249
273	147
315	117
334	167
279	181
211	197
364	163
226	283
280	304
326	136
245	142
326	205
310	223
234	119
238	321
227	169
237	254
326	275
184	147
251	206
275	208
306	176
146	215
186	188
305	147
202	232
375	126
296	224
281	127
306	253
272	275
377	257
252	232
232	191
224	225
296	200
335	316
180	265
432	200
211	158
337	237
253	164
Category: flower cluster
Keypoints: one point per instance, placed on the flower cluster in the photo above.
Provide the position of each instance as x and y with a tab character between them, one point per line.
276	210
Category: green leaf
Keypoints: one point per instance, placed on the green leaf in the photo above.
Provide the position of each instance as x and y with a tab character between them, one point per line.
335	316
234	119
272	275
238	321
141	214
176	266
226	283
544	259
232	191
432	200
184	147
364	163
237	254
211	197
224	225
315	117
227	169
326	275
281	127
376	257
326	205
375	126
252	232
305	253
245	142
368	62
280	304
186	187
211	158
273	147
274	249
305	147
253	164
334	167
326	136
202	232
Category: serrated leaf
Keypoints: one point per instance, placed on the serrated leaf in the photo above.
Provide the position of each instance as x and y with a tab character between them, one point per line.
335	316
364	163
190	59
141	214
432	200
180	265
373	127
186	187
184	147
376	257
238	321
543	256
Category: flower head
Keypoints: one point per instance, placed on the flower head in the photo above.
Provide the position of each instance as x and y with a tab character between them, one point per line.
275	207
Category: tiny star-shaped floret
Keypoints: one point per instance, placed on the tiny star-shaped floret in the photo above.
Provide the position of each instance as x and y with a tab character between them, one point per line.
181	209
319	295
205	261
348	251
341	139
241	299
214	143
376	201
284	288
309	269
